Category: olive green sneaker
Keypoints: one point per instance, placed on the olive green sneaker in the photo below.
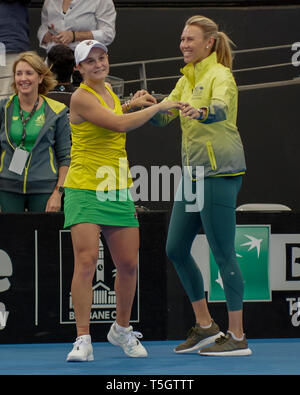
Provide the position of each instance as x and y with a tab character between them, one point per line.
198	337
226	346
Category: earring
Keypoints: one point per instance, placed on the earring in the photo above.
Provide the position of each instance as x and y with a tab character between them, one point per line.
207	47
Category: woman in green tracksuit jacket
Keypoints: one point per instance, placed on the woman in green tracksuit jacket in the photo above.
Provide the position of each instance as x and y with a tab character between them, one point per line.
213	164
36	128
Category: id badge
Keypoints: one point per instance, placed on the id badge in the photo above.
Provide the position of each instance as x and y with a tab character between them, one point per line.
18	161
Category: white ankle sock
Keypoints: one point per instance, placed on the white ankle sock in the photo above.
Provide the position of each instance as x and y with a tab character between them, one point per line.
86	338
121	328
235	337
206	326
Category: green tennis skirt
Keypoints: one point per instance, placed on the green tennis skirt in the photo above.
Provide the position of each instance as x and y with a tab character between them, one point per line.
114	208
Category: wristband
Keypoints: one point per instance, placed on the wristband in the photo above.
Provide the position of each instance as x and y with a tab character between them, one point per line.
128	106
60	189
73	37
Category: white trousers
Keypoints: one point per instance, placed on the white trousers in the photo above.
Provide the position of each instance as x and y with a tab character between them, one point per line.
6	75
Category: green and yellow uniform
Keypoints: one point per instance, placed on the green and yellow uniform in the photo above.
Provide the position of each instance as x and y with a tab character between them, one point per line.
215	145
98	178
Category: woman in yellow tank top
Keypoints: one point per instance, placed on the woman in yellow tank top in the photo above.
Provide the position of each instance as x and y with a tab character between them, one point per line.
97	198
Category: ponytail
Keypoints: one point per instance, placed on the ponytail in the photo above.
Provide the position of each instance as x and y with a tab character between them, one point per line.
223	49
222	44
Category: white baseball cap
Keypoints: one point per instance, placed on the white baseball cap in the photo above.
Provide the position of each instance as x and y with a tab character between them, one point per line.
83	49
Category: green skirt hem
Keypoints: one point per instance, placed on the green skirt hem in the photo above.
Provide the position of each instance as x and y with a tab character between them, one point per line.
83	206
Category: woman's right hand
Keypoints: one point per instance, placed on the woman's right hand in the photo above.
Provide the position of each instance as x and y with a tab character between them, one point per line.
142	100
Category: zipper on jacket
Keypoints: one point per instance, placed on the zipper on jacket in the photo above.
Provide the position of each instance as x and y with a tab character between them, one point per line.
211	155
26	173
2	160
5	122
51	160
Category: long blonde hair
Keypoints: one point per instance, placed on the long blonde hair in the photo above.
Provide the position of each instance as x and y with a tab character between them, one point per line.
222	44
37	63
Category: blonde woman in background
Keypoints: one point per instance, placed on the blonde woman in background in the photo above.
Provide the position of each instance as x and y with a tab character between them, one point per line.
34	140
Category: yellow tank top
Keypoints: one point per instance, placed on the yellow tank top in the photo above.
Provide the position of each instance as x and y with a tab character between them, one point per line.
98	155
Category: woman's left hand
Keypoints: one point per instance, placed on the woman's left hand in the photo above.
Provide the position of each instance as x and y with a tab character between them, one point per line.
189	112
140	93
65	37
54	202
142	99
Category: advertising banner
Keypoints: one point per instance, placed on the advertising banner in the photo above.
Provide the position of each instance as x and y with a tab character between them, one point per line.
36	269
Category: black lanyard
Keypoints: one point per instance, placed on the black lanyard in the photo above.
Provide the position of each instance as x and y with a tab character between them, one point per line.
25	121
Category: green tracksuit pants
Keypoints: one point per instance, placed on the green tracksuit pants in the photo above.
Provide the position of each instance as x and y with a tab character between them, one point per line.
17	203
218	196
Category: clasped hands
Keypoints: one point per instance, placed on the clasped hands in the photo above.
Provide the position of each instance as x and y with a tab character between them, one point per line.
143	99
65	37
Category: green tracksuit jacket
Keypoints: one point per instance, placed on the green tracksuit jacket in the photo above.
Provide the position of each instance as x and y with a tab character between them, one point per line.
50	151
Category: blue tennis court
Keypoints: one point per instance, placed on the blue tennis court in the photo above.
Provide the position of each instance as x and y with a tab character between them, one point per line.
269	357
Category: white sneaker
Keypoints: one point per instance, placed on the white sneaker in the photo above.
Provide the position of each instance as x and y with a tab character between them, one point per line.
128	340
82	350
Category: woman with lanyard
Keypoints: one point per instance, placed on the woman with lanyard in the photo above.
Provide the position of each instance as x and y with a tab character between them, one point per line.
34	141
98	198
211	144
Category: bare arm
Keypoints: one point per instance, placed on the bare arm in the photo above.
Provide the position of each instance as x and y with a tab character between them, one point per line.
85	107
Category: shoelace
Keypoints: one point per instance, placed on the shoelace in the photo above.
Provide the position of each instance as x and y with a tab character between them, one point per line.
132	338
78	342
192	332
222	339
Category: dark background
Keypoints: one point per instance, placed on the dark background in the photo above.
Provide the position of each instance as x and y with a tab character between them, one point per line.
267	118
